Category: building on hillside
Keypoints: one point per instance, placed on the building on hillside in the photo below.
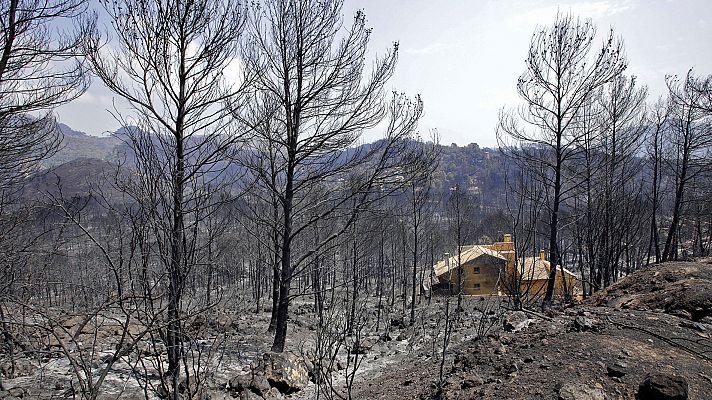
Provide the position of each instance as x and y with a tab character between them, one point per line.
481	271
532	276
496	269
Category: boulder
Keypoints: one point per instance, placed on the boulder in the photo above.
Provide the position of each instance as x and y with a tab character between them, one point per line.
472	382
13	393
663	387
285	371
22	367
575	391
465	360
71	322
617	369
516	321
364	344
249	395
212	395
18	392
260	385
272	394
256	384
586	324
240	383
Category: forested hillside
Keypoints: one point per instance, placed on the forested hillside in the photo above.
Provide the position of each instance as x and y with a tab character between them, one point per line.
477	170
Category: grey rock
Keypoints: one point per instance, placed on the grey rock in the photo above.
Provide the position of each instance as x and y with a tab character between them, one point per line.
17	392
272	394
586	324
617	369
576	391
472	382
249	395
260	385
663	387
285	371
516	321
694	325
240	383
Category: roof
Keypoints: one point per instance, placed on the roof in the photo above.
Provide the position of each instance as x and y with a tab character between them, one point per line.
468	254
537	269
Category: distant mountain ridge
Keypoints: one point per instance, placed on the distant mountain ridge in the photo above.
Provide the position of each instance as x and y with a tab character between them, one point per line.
76	177
477	170
77	145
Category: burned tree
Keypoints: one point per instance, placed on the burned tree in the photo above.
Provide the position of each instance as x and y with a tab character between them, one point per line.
561	76
615	177
419	196
168	61
459	208
659	123
690	142
318	97
39	71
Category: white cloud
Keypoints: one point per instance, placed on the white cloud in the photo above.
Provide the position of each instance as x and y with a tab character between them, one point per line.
89	97
587	9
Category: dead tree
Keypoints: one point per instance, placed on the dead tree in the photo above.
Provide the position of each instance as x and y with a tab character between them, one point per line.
420	208
39	70
703	87
525	199
167	60
459	216
690	141
659	124
561	75
623	119
318	97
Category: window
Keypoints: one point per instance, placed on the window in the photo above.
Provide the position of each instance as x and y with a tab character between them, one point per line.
477	270
477	286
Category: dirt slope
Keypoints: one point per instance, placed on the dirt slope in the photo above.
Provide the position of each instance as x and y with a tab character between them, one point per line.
679	288
654	321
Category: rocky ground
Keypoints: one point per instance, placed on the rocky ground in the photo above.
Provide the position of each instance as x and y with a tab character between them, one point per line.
649	333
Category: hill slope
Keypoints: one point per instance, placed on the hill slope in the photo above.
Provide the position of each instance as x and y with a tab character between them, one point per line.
478	171
641	331
77	145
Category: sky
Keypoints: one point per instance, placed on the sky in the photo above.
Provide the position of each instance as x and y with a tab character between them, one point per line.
464	56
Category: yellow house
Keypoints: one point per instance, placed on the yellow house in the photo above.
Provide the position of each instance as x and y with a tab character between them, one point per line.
481	270
531	275
496	269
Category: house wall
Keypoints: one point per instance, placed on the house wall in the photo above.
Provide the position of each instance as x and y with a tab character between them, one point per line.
537	287
501	246
487	278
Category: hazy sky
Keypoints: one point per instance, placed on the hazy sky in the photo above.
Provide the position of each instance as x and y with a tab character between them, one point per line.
464	56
